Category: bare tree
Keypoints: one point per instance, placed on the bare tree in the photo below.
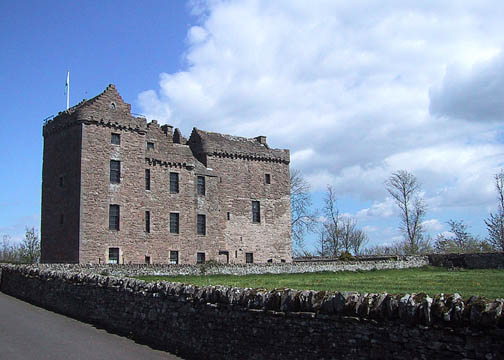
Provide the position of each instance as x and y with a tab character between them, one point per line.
495	223
461	242
303	218
404	189
359	240
338	233
330	228
30	246
8	251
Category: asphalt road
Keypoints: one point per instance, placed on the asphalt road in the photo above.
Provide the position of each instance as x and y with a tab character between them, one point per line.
30	332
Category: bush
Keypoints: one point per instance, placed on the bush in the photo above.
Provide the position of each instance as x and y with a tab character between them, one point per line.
346	256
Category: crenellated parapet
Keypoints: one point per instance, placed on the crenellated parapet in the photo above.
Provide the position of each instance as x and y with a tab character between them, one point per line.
205	143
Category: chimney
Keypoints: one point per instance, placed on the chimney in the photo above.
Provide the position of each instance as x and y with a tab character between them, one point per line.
261	140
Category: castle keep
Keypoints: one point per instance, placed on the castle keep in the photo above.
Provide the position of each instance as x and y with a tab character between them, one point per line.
116	189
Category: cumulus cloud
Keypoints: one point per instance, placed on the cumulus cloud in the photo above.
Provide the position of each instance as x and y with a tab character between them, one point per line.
379	209
475	94
356	90
432	225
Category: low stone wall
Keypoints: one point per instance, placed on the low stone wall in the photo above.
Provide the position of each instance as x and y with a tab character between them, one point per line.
231	323
242	269
469	261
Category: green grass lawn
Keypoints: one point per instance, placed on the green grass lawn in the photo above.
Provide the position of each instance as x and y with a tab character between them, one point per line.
430	280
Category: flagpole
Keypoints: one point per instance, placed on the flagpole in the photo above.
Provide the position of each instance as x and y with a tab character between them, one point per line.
68	89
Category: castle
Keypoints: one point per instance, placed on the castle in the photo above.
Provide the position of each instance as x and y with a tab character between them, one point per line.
119	189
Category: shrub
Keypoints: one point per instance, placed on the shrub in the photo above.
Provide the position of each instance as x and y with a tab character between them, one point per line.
346	256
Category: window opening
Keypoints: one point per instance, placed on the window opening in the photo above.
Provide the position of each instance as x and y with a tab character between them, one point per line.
113	256
256	212
150	145
147	221
174	182
267	178
228	215
174	223
174	257
249	258
201	224
115	171
115	139
147	259
200	258
147	179
114	217
201	185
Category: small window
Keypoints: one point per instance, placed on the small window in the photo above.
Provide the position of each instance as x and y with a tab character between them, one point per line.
174	257
201	224
174	223
228	215
267	178
147	221
113	255
150	145
147	179
112	106
282	260
114	217
249	258
174	182
147	259
115	171
256	212
62	219
200	258
61	181
201	185
115	139
270	260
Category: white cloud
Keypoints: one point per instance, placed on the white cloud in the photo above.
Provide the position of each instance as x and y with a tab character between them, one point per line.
384	209
475	93
432	225
350	87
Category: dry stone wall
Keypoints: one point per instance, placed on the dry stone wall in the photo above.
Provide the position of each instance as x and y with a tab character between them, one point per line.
239	269
469	261
219	322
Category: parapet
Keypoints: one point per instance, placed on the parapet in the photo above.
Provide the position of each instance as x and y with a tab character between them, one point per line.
215	144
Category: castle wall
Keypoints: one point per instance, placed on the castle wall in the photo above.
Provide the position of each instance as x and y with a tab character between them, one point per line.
242	181
60	196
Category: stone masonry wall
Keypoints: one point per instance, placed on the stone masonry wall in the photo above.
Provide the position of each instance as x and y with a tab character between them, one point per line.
232	182
231	323
469	261
239	269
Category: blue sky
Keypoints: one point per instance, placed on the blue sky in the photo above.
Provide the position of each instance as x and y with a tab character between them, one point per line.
356	90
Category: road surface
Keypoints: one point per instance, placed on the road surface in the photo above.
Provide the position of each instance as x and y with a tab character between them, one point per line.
30	332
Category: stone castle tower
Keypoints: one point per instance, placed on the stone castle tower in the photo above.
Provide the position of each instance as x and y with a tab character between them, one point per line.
116	189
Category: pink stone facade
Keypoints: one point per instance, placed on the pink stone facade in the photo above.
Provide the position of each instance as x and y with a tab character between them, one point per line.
77	191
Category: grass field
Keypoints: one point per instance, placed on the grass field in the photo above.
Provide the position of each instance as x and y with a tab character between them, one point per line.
430	280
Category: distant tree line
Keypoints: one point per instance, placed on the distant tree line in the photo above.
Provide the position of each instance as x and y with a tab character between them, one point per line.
340	235
27	251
